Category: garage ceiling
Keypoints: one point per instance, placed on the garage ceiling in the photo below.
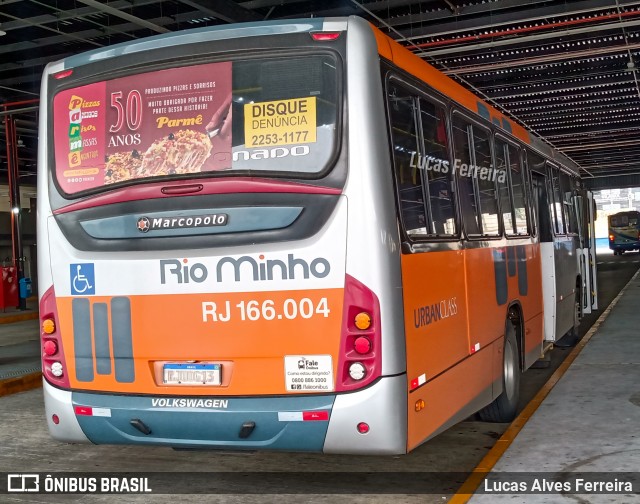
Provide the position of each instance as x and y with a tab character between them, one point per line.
568	70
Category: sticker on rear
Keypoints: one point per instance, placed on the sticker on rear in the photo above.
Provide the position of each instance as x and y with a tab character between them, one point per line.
308	373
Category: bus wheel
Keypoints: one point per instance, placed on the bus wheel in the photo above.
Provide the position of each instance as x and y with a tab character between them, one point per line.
504	407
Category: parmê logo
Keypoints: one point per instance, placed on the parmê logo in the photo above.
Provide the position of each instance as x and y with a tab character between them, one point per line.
146	224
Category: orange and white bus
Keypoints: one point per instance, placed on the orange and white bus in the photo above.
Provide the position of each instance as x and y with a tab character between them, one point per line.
293	235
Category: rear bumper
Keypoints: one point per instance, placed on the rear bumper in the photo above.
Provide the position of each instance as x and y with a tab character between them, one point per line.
59	403
625	246
318	423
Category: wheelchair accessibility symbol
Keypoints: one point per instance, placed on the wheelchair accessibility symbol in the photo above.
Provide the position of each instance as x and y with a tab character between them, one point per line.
82	279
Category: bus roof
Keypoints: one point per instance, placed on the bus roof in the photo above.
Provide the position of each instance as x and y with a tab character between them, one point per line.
204	34
410	62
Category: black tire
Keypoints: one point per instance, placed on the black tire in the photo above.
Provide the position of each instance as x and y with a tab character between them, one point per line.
504	407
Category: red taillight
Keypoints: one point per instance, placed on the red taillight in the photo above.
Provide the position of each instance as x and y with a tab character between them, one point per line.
611	237
360	360
322	36
54	367
62	75
362	345
50	347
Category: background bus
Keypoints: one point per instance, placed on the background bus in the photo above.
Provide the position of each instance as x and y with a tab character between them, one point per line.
624	232
292	235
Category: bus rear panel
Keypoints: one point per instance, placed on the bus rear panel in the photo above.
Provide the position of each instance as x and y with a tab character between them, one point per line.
197	286
624	232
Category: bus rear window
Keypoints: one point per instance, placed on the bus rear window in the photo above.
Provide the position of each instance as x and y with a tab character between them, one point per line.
622	221
276	115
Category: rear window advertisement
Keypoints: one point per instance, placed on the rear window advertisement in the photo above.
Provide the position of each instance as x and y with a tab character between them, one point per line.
190	120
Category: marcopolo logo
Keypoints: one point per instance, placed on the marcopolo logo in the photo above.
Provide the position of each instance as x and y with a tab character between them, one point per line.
146	224
244	268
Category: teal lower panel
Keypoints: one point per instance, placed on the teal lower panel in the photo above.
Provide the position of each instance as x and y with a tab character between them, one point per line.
205	422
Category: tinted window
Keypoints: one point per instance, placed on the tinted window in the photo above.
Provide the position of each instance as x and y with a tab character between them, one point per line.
434	162
502	162
421	163
469	207
406	151
555	202
570	219
517	190
268	114
476	178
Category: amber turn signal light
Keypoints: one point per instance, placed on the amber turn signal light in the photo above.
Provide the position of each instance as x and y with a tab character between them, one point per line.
363	320
48	326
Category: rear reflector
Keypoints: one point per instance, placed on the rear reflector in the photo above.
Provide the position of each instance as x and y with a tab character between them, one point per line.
84	410
309	416
419	381
303	416
89	411
320	36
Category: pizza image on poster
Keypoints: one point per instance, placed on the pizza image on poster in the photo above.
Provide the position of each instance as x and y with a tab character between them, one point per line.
166	122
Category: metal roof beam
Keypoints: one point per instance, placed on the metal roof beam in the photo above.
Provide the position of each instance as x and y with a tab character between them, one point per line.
226	10
84	35
64	15
595	85
124	15
536	60
441	26
551	34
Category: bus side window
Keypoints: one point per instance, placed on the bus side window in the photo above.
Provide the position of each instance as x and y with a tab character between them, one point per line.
406	161
486	179
555	202
540	196
570	218
466	188
437	169
503	187
517	190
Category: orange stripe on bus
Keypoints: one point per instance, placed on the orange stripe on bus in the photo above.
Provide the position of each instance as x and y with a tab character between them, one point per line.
171	328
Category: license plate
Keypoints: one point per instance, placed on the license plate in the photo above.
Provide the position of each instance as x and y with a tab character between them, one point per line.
191	374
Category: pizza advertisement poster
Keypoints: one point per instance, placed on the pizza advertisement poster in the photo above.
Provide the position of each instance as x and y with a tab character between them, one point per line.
166	122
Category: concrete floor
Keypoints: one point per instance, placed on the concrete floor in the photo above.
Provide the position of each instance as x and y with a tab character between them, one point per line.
590	422
20	349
